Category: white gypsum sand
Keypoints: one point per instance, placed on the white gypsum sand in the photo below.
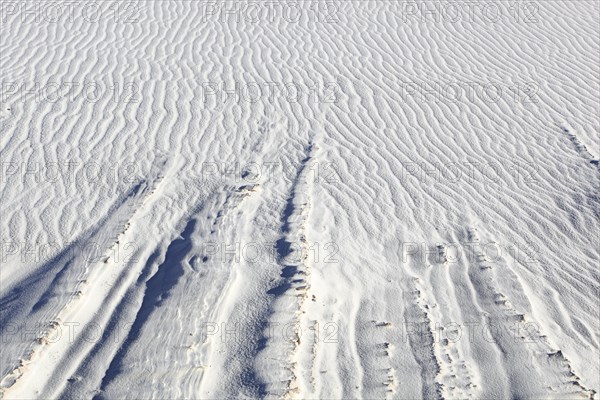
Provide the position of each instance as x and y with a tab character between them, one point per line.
310	199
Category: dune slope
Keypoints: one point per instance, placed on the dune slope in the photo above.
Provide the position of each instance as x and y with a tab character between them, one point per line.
317	199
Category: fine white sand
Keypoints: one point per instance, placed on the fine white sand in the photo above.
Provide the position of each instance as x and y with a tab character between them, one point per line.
375	237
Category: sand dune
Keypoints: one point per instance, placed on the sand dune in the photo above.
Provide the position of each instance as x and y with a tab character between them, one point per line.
315	199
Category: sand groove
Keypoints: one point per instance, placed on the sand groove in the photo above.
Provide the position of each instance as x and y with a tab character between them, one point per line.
182	314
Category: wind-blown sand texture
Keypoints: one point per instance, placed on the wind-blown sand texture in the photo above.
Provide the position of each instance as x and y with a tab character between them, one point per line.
375	237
